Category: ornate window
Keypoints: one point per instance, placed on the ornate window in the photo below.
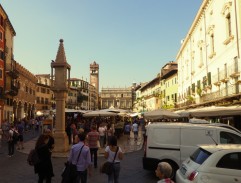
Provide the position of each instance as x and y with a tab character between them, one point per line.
210	31
200	46
226	11
201	57
192	62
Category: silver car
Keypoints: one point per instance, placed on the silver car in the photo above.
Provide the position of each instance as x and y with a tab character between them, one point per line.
212	164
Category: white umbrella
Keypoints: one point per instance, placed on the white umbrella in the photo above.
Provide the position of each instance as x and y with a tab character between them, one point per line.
115	110
72	111
134	114
160	113
215	111
99	113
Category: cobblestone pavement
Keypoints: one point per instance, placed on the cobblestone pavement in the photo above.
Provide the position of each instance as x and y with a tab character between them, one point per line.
126	145
15	169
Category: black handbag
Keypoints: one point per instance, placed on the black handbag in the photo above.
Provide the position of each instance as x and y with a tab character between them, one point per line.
70	171
107	166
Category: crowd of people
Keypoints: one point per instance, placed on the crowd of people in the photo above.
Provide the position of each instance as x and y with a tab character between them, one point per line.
86	137
100	133
13	132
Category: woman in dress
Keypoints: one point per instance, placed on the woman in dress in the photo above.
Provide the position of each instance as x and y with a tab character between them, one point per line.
114	153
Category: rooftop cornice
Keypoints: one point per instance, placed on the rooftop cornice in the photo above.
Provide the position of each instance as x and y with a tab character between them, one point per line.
195	22
8	21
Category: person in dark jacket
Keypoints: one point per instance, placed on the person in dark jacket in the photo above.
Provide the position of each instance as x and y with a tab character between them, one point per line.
51	139
68	132
44	168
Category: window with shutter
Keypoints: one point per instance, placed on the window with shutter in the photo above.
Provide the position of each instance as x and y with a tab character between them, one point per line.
209	78
193	88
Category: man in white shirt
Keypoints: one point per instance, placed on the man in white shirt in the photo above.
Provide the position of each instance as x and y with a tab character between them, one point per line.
102	131
135	129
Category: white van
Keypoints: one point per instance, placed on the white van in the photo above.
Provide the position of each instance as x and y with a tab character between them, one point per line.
175	142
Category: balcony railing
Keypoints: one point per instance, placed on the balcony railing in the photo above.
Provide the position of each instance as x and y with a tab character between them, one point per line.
216	80
233	71
13	91
225	92
13	73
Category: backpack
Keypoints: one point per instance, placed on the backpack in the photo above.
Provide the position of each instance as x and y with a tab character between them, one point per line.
15	136
33	158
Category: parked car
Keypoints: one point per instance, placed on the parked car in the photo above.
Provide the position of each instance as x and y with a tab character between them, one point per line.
175	142
212	164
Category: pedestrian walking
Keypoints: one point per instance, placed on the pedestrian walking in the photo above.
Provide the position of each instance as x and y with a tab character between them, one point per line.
114	155
20	129
37	125
135	130
74	132
110	131
68	131
102	131
80	156
44	168
92	138
143	127
163	172
127	131
12	139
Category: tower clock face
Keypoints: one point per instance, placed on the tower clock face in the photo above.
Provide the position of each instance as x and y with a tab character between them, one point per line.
94	72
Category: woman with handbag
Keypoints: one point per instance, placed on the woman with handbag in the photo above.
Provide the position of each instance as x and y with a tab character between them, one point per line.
114	155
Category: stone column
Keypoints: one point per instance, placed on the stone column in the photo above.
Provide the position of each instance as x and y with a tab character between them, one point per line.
61	140
60	89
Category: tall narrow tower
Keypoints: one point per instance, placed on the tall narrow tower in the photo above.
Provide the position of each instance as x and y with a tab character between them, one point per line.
60	74
94	78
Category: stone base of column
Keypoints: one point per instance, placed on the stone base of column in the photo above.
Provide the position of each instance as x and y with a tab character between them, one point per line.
61	142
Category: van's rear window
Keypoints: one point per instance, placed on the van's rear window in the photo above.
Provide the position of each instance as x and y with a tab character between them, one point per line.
200	155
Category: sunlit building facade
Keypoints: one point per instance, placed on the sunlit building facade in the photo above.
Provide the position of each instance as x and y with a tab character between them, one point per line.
44	95
209	58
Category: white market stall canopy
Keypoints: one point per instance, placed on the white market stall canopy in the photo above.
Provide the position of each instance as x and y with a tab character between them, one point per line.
115	110
72	111
99	113
211	111
160	114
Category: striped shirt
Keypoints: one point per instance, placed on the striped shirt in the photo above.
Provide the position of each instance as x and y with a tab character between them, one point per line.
93	138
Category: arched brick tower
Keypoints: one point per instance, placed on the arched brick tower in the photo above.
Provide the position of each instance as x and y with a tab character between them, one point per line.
94	78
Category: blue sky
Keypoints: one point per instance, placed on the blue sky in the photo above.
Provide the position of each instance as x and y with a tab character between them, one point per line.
130	39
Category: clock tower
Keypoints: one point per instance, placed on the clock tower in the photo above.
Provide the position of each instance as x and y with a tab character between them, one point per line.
94	78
